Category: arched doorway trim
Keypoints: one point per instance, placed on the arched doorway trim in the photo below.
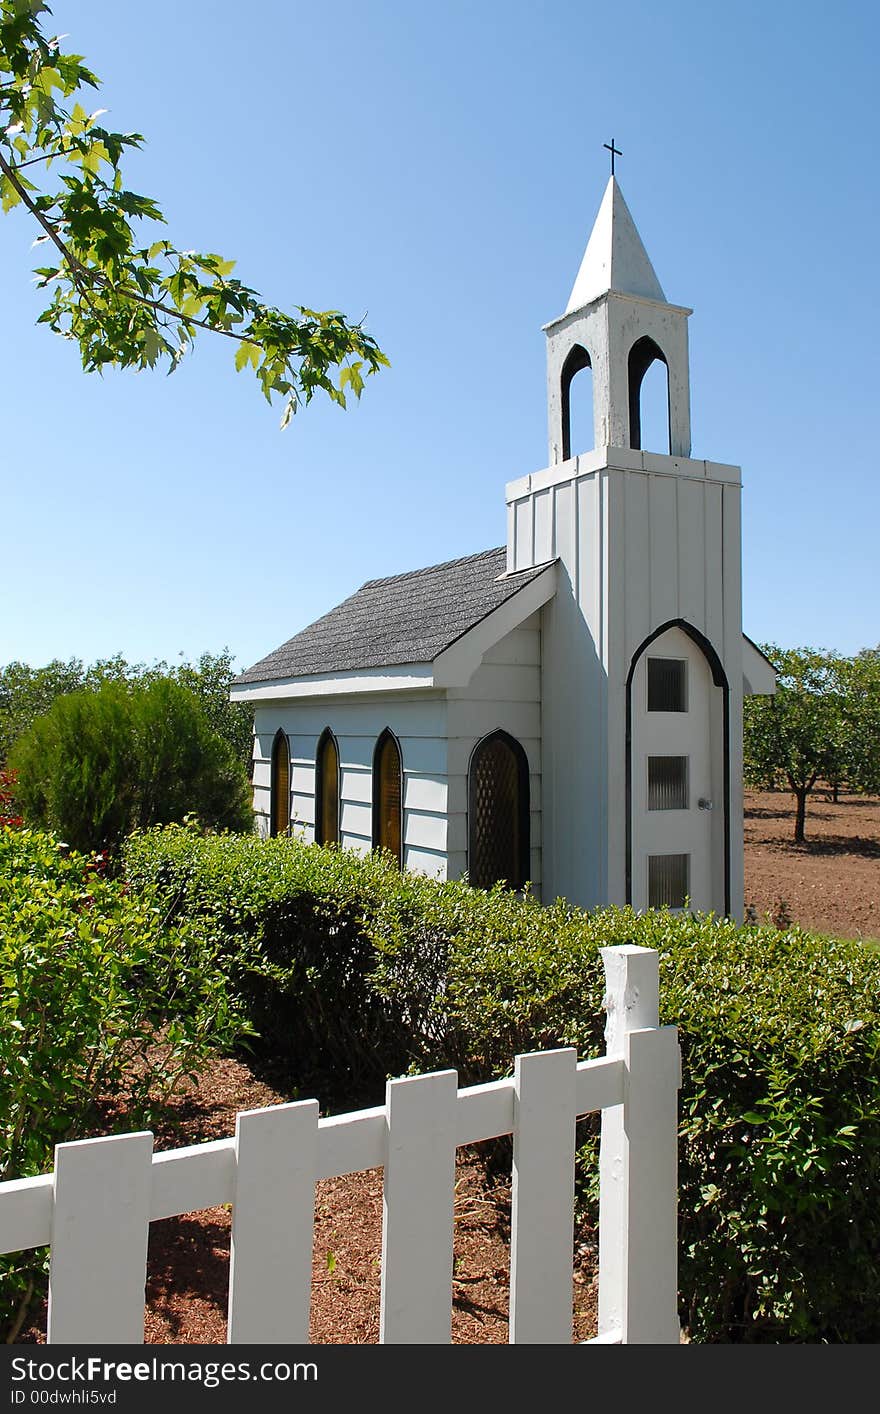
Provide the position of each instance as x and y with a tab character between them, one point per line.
719	678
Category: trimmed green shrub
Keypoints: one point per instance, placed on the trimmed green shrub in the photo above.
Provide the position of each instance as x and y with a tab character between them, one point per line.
311	913
371	972
104	1010
101	763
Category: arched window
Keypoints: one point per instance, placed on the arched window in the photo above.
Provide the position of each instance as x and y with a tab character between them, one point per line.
577	429
280	793
388	797
649	404
498	813
327	790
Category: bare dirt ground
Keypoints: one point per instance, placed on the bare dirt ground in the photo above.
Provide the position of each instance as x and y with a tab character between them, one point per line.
830	884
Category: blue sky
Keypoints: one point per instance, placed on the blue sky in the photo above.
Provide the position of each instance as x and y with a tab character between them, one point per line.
438	168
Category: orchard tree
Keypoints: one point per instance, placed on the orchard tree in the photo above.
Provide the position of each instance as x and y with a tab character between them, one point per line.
861	711
797	736
125	294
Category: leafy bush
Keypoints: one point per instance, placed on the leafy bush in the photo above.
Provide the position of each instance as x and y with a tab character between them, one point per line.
372	971
101	763
104	1010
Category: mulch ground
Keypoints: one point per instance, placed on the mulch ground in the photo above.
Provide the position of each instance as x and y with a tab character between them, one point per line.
830	884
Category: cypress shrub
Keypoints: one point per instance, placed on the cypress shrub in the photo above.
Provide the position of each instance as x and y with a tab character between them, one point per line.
101	763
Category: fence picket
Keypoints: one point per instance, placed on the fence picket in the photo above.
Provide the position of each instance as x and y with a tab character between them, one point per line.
542	1212
418	1210
98	1263
273	1215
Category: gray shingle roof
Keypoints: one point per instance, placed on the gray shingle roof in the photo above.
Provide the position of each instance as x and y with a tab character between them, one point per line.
407	618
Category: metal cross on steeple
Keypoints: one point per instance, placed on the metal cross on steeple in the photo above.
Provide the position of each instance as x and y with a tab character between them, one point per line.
613	150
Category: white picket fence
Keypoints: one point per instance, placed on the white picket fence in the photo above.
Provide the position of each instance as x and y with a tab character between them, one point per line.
95	1209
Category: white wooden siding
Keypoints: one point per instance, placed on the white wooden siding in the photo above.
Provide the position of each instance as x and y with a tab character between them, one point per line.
418	723
503	694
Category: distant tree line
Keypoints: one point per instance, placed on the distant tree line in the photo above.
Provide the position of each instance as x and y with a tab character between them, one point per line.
95	752
820	729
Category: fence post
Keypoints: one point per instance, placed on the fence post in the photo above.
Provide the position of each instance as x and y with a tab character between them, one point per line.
542	1207
419	1194
638	1201
100	1224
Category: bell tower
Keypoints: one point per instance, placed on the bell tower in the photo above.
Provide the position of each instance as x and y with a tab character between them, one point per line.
642	648
617	322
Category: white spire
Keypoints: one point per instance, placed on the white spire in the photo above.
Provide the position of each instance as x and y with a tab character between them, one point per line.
615	258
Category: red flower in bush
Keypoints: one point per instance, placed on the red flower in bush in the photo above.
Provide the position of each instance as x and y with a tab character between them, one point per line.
8	814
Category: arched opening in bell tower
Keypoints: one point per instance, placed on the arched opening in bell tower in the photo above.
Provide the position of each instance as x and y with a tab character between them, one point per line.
577	411
649	413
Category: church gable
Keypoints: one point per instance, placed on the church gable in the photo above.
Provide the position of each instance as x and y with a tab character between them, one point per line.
404	619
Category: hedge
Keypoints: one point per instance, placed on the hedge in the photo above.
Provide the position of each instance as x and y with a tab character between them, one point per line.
366	972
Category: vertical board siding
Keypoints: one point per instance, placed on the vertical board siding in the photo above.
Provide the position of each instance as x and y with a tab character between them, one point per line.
272	1224
691	552
524	523
418	1210
98	1263
664	548
543	526
636	532
713	552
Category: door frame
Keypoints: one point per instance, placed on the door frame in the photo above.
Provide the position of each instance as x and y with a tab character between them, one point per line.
719	678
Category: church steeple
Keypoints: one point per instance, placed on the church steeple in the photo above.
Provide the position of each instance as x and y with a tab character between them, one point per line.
615	258
617	323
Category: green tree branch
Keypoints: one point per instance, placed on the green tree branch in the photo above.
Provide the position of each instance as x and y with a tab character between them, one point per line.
125	303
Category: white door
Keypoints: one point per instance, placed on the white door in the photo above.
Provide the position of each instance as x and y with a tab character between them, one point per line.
677	778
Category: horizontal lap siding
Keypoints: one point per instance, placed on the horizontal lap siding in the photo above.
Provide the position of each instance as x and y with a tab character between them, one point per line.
503	694
418	725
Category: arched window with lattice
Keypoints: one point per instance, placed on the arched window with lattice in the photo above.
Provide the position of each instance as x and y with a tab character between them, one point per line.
280	792
327	790
498	813
388	796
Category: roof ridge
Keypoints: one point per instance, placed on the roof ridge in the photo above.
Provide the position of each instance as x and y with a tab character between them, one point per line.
429	569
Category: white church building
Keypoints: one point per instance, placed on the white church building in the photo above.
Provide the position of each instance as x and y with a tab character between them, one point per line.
565	709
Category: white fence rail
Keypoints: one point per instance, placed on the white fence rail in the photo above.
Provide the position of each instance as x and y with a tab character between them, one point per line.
95	1209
